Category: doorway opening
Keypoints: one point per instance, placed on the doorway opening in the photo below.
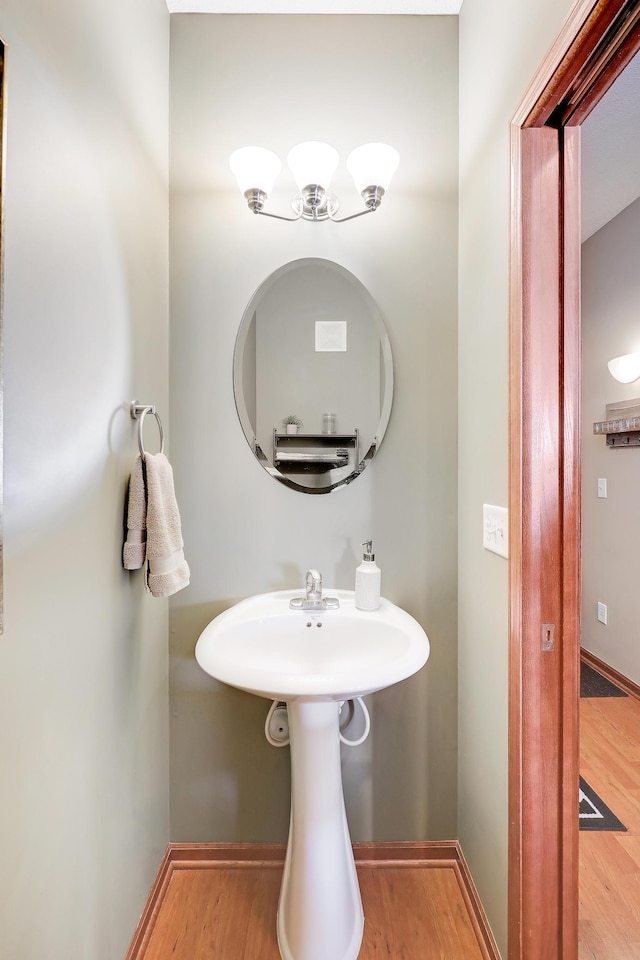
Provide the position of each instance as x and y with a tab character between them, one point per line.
597	42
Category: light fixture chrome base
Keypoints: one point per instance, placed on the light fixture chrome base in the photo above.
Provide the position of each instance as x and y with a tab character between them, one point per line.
314	203
256	200
372	197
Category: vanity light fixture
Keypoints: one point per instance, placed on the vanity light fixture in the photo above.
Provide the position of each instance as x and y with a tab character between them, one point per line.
313	164
626	368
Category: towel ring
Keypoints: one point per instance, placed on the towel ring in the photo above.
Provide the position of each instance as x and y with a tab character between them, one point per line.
139	412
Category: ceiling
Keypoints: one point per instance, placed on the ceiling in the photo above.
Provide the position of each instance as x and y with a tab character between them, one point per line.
610	165
419	7
610	135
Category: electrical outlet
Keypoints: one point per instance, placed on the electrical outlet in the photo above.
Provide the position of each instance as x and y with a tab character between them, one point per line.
602	487
602	613
495	535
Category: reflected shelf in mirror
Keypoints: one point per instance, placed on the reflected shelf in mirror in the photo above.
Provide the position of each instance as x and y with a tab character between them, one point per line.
315	452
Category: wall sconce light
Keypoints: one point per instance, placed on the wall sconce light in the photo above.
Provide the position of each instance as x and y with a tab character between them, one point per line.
313	164
625	369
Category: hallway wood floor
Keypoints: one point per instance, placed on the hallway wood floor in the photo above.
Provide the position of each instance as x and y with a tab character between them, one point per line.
610	862
414	910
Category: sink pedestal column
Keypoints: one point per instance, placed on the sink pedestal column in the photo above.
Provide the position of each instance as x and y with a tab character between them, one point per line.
320	910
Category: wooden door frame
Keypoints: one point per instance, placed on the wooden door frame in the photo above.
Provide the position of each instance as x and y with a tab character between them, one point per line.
596	42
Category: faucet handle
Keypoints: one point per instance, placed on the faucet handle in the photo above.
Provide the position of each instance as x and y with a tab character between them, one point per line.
313	599
314	584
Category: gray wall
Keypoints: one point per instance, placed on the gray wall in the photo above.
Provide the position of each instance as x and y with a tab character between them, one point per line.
611	527
83	660
237	80
501	45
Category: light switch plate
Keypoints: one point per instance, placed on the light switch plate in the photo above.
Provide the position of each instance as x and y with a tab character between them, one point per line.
602	487
495	529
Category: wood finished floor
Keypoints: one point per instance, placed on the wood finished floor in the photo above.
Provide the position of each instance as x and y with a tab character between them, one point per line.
223	912
610	862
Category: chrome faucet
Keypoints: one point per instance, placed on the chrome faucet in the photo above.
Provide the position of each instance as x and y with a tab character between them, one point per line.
313	599
314	585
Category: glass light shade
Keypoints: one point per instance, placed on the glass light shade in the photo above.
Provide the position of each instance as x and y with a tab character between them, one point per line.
255	168
373	165
625	369
313	162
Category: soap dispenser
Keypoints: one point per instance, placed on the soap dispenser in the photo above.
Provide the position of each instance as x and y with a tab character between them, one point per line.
368	580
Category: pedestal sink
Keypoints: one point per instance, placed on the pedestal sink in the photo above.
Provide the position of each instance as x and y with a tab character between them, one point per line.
313	661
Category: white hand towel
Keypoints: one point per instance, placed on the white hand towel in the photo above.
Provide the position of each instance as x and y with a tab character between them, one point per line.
168	570
135	545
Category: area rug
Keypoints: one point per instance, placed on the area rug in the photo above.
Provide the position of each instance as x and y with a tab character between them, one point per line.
593	684
594	813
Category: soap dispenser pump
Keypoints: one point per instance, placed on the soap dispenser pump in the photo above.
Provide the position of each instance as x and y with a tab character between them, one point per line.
368	580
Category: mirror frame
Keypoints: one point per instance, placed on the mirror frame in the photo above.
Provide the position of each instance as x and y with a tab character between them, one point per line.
387	361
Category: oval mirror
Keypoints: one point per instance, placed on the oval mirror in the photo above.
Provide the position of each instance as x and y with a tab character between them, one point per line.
313	375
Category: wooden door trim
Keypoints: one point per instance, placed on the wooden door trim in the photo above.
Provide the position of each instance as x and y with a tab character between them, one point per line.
597	41
536	553
570	370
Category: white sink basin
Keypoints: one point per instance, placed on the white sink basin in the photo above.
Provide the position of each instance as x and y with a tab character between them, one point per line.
262	646
312	660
